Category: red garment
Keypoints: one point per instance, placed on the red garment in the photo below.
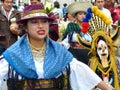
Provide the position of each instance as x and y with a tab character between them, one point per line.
53	32
115	13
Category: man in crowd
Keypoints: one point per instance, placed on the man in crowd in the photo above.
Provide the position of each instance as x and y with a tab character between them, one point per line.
8	34
7	13
100	5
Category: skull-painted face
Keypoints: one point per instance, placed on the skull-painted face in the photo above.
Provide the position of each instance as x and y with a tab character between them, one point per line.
102	49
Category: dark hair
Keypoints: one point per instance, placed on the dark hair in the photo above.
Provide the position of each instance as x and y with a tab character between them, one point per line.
4	0
65	4
96	0
37	0
80	12
56	4
65	16
101	38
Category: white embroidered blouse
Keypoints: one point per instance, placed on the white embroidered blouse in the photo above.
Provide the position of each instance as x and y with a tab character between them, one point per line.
81	76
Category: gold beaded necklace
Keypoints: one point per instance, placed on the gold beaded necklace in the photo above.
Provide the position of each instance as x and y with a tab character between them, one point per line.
38	53
37	49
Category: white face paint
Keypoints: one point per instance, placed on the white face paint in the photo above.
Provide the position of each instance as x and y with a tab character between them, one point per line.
102	49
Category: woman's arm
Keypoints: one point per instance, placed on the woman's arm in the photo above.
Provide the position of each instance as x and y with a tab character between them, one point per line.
83	78
103	86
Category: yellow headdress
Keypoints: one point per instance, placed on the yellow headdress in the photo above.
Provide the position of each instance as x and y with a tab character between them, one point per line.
95	60
97	24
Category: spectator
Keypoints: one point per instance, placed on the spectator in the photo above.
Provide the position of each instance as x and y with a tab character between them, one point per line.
8	35
64	9
56	10
100	5
109	4
14	5
36	2
115	12
21	7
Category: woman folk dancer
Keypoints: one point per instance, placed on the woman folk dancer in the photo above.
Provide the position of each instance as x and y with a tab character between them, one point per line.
36	62
69	39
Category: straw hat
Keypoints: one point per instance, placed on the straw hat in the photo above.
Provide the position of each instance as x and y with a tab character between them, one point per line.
34	11
78	6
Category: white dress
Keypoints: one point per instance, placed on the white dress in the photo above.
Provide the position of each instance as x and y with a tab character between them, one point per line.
81	76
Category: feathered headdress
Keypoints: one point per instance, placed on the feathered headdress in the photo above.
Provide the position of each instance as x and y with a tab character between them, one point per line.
95	20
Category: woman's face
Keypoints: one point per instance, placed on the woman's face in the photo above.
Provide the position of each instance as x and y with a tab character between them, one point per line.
37	29
115	5
80	16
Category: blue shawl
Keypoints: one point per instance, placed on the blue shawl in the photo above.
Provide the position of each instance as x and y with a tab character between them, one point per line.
19	56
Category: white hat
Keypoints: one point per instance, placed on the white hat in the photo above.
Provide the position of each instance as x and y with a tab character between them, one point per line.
78	6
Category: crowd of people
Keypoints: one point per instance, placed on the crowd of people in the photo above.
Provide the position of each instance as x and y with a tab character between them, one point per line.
45	47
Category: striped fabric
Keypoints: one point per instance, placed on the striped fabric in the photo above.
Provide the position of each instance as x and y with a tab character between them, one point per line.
37	84
35	15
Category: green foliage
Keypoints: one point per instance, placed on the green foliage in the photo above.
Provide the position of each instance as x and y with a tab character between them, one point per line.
48	10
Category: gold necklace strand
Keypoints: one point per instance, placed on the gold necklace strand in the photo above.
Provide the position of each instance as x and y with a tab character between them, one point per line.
38	49
38	53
